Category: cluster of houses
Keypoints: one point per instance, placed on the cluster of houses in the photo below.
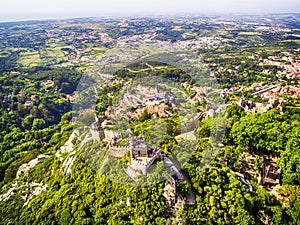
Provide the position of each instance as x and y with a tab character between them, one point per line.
9	99
150	102
290	66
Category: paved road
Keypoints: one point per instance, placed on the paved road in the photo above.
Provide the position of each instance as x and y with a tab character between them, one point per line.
264	90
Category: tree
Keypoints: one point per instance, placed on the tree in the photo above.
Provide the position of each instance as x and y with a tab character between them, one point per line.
261	132
38	124
290	157
65	217
28	122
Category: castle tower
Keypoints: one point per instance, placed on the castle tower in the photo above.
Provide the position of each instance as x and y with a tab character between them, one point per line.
138	147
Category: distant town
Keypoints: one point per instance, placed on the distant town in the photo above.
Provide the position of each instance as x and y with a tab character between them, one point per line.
150	120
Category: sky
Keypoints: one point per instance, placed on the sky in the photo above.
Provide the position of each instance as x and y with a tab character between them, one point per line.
12	10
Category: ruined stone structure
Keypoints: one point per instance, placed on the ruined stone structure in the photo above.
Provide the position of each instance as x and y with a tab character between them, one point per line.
110	136
170	192
270	174
138	147
118	152
142	155
248	105
254	107
144	164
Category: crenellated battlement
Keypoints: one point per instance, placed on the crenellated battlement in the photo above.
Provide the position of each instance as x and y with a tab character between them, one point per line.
142	155
118	152
144	165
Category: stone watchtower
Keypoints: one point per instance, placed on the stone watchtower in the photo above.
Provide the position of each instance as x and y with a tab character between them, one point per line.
142	155
138	147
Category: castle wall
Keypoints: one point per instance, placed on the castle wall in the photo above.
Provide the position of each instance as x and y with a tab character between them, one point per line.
118	152
144	165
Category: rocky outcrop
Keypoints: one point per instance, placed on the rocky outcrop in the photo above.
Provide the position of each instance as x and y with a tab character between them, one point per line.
68	146
30	190
67	165
33	189
24	169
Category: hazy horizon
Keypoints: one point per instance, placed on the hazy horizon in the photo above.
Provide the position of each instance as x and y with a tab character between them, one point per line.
19	10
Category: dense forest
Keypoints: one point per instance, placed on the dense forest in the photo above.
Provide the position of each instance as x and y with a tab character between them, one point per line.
42	181
81	197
